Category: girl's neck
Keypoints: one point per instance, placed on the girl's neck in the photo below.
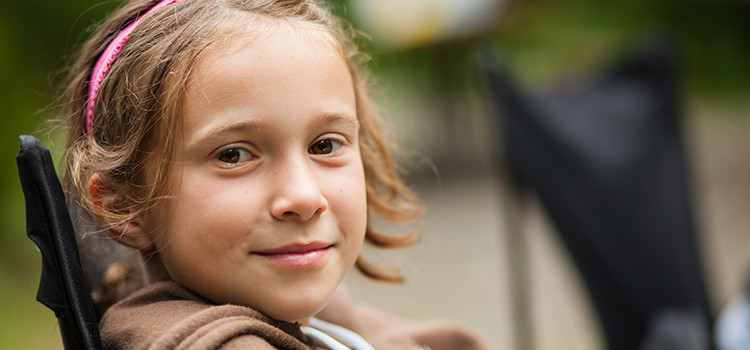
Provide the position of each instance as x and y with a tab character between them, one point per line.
155	268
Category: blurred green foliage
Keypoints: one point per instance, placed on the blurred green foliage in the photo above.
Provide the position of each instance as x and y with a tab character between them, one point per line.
35	36
550	37
544	39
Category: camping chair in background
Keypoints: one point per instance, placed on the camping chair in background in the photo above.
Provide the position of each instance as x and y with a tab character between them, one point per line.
607	161
62	286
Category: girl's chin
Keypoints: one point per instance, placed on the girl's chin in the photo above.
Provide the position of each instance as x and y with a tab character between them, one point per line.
299	314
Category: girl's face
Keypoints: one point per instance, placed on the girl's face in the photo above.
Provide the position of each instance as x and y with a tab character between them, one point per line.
268	203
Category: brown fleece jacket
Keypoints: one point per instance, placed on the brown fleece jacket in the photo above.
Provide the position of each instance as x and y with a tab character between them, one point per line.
167	316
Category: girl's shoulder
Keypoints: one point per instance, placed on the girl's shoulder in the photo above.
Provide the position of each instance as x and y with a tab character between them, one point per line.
165	315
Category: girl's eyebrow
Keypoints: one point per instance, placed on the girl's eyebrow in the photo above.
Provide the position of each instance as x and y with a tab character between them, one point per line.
344	119
347	119
219	128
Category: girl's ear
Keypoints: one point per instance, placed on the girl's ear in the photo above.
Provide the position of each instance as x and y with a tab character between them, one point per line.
130	233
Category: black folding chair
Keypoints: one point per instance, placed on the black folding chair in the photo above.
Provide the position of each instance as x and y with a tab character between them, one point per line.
607	160
62	287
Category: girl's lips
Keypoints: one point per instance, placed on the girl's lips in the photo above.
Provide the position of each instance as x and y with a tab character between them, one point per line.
297	255
296	248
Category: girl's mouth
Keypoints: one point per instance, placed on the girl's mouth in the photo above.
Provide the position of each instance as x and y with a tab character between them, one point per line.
297	255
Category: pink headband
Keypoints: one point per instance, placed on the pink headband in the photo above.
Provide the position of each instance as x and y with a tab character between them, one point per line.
108	57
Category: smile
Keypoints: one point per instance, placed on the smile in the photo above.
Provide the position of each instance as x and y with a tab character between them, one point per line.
297	256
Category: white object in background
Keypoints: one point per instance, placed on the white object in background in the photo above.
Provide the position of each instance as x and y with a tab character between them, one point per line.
733	325
410	23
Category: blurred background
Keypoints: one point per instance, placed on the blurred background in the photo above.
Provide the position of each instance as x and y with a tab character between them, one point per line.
424	62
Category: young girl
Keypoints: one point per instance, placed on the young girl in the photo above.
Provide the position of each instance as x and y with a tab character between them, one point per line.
233	144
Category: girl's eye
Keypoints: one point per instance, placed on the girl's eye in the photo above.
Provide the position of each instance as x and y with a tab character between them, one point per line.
327	146
233	155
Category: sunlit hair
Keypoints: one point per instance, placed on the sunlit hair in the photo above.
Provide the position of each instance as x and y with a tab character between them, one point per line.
136	117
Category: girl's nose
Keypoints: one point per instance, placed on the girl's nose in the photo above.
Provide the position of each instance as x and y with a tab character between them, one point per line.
299	196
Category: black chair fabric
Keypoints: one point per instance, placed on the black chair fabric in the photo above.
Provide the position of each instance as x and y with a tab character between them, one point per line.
607	160
62	287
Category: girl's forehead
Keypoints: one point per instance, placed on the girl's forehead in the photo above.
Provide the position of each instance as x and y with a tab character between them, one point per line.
261	30
264	34
274	74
